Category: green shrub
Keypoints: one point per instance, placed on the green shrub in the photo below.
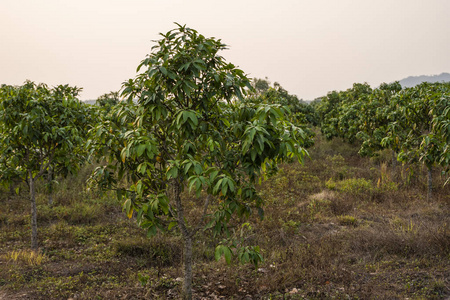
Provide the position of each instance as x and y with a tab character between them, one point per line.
347	221
352	186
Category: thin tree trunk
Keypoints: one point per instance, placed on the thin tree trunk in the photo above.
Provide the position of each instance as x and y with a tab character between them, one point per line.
50	186
187	237
187	284
34	240
11	190
394	164
430	183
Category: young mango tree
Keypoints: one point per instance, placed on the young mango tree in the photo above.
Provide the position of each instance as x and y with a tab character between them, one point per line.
190	131
436	147
340	112
108	100
299	112
374	121
79	116
39	128
416	126
350	111
441	125
329	113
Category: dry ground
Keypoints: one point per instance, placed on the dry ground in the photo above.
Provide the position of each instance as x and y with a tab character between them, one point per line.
338	227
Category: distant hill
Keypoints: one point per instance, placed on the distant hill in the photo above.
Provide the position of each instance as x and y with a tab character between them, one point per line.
415	80
92	102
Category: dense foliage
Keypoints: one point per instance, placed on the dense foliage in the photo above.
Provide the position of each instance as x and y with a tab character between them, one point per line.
41	129
191	129
412	122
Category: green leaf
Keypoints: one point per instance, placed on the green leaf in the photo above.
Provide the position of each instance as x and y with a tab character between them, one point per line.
192	180
127	206
171	225
171	75
142	168
198	169
253	154
187	167
227	254
172	173
225	186
231	185
218	252
140	149
217	186
139	187
151	231
213	176
225	251
119	194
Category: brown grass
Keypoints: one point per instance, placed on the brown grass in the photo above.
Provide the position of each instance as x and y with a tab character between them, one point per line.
373	236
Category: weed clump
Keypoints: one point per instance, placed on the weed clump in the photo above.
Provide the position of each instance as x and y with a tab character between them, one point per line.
347	221
28	257
354	186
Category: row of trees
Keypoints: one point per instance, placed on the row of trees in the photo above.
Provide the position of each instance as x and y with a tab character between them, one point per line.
42	131
412	122
189	121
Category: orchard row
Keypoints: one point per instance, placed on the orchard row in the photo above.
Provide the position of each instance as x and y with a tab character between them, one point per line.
190	121
413	122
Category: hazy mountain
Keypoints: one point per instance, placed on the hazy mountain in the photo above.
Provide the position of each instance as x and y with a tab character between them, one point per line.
415	80
92	102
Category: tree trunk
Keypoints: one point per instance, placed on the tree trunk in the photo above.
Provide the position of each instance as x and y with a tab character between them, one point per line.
430	183
187	284
394	164
11	190
34	240
187	237
50	186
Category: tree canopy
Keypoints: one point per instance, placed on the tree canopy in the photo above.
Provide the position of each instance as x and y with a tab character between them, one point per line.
191	130
40	127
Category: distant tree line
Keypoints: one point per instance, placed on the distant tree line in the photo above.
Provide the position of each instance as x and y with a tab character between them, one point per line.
414	123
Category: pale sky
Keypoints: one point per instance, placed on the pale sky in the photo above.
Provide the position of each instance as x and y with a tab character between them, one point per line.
310	47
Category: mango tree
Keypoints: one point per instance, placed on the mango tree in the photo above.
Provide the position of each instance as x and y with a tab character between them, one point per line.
441	126
298	111
190	132
329	113
81	117
375	118
416	111
39	128
340	112
108	100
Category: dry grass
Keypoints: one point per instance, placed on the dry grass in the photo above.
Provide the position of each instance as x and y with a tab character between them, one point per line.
338	227
27	257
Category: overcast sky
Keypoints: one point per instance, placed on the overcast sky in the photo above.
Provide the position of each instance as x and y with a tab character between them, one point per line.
309	47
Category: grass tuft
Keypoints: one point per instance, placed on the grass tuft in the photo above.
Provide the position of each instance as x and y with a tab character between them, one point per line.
28	257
